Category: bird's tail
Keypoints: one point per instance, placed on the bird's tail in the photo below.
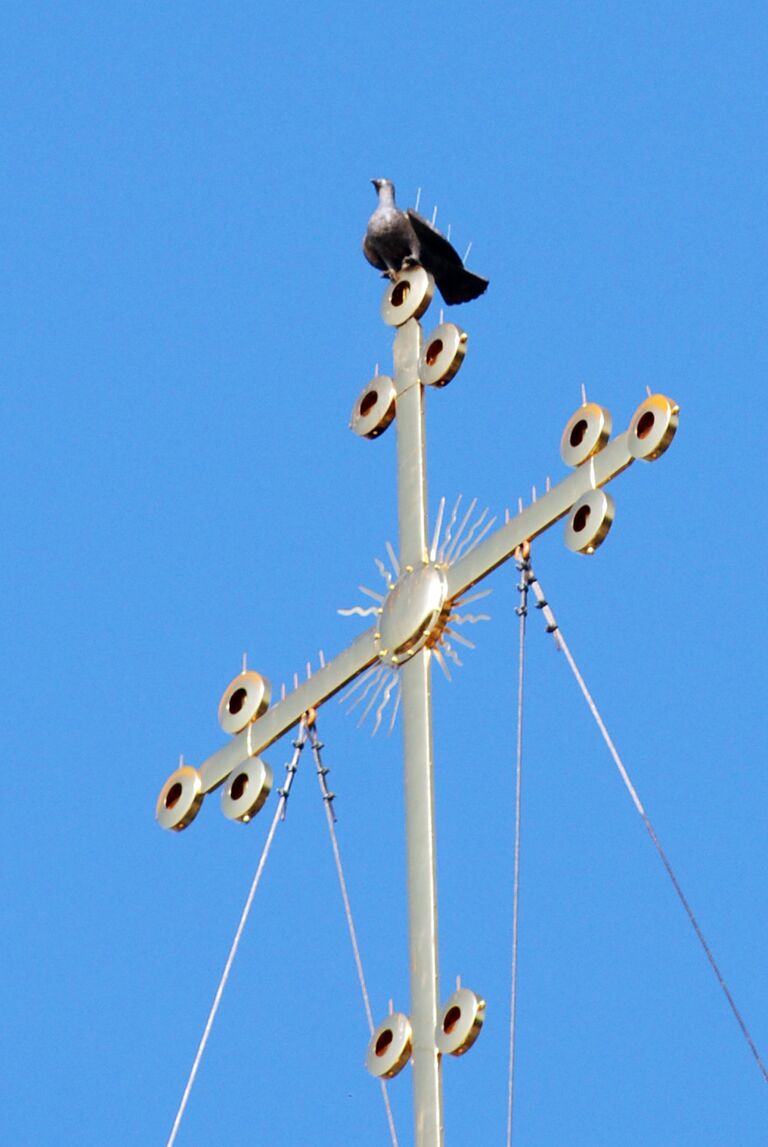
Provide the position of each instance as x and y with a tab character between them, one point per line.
458	285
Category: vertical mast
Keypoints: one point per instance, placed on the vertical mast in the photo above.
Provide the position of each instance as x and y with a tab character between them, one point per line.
417	730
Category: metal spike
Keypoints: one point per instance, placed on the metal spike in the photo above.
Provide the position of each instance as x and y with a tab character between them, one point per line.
358	683
372	700
384	572
374	680
371	593
384	703
462	601
451	521
458	637
438	526
396	706
478	522
460	531
488	525
447	648
358	611
393	559
441	662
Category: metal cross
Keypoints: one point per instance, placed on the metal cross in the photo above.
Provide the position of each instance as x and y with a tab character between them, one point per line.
413	621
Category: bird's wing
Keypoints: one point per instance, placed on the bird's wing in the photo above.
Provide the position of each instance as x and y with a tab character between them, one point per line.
436	255
432	243
372	255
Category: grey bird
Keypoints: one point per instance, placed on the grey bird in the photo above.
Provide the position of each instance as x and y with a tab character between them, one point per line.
398	239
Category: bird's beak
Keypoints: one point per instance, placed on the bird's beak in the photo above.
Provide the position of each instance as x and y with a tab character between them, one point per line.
376	183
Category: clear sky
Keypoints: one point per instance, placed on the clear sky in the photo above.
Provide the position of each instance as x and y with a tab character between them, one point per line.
186	322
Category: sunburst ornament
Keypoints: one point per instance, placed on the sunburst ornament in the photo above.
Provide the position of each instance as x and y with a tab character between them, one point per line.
416	613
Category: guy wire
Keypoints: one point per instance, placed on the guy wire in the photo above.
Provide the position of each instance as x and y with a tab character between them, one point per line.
554	629
279	813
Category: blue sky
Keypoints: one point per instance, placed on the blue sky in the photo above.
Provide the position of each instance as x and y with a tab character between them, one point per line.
186	322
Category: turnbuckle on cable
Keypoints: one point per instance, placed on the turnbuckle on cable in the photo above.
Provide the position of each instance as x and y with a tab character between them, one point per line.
293	765
523	565
322	772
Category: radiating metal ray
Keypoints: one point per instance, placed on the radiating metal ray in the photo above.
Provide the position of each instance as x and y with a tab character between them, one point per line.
396	707
449	527
466	253
449	551
434	215
462	601
371	593
448	649
418	198
448	233
373	682
458	637
372	700
438	527
457	549
358	683
393	558
488	526
384	572
384	702
472	618
441	662
370	611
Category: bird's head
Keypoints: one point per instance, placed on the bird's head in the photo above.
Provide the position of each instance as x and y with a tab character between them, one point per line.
379	184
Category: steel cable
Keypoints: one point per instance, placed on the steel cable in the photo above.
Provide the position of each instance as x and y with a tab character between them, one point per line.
522	612
328	797
554	629
279	813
